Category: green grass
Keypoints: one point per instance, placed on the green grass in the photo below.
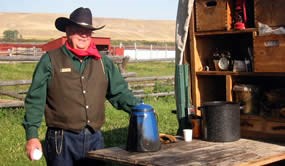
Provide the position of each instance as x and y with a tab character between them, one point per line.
16	71
114	130
152	68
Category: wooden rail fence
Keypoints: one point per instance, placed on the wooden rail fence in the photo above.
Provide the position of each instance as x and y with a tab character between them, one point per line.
137	84
32	51
120	61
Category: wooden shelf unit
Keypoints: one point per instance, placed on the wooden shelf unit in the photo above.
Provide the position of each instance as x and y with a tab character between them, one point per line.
208	84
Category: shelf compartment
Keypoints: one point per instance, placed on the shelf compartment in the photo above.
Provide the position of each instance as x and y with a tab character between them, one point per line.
210	89
237	44
215	85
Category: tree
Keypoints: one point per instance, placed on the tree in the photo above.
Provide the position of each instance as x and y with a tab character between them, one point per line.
11	35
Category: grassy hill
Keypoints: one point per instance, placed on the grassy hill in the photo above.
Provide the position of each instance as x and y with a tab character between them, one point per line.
41	27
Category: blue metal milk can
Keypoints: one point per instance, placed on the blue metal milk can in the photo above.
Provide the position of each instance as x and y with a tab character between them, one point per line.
143	133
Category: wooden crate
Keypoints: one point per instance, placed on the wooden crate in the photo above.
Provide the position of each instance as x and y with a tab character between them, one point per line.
257	127
213	15
277	128
251	123
269	53
269	12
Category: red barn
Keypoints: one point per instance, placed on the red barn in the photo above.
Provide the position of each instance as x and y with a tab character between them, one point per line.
102	43
6	46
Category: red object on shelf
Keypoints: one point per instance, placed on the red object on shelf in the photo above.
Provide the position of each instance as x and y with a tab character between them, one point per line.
240	14
239	25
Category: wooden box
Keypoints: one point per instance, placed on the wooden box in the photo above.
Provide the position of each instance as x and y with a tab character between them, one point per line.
269	53
252	123
257	127
275	128
269	12
213	15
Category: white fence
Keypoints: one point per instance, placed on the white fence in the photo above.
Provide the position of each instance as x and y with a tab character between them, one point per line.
33	51
133	53
142	54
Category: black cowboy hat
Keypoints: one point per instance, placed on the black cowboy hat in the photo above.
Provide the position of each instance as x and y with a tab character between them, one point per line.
81	17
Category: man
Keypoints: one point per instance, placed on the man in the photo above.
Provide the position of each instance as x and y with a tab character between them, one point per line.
70	85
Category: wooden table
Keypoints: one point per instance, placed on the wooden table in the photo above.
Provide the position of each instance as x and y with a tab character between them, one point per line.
197	152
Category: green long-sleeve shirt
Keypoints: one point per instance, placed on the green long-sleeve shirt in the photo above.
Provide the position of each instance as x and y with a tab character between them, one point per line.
118	93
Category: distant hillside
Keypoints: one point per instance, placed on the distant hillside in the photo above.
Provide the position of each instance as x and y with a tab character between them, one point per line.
41	26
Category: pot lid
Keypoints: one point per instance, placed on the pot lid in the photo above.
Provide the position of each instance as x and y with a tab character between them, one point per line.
216	103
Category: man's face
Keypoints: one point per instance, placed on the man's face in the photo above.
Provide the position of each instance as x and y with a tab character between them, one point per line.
78	37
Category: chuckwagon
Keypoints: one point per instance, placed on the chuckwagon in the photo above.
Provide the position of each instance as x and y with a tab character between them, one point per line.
227	56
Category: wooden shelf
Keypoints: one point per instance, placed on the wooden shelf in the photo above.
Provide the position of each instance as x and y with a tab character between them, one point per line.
208	33
221	73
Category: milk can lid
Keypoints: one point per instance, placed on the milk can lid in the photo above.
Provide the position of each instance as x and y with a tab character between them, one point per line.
142	107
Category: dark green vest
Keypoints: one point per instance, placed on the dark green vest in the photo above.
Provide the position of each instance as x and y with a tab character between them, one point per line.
75	100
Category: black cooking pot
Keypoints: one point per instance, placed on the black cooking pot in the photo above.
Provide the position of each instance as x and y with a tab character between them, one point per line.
220	121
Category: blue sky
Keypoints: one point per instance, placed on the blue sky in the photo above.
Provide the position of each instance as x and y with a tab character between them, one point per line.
132	9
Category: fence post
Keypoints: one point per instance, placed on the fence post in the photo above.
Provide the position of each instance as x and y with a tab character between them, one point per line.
14	51
35	51
10	52
165	50
150	55
135	44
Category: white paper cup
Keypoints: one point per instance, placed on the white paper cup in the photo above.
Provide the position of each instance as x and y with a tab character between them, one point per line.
187	135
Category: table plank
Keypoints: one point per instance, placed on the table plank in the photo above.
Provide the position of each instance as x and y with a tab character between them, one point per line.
198	152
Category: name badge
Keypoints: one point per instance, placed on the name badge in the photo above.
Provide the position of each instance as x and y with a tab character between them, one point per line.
64	70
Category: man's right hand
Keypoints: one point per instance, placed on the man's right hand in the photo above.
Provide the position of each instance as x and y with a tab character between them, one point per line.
31	145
